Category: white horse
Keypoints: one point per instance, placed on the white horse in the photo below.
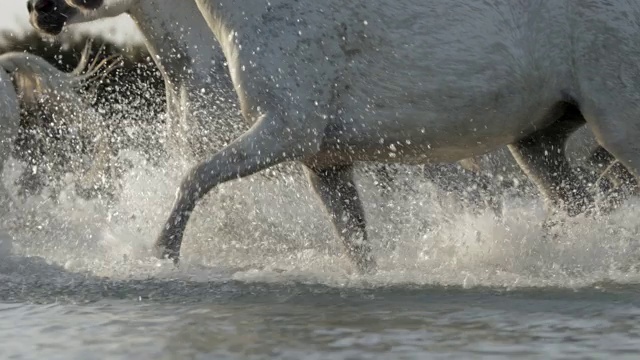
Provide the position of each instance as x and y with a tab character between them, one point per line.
329	83
186	68
29	82
184	55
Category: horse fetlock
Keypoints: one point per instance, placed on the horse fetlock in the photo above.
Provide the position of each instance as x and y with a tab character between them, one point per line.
359	251
362	258
164	253
167	246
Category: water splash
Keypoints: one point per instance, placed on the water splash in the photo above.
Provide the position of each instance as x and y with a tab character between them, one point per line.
273	230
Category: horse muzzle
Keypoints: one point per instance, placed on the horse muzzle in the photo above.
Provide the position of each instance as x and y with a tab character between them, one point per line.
46	16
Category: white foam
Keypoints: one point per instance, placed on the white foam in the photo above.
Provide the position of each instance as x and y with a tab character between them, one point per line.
257	229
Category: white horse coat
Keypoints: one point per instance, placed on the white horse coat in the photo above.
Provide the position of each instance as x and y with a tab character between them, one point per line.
331	82
199	91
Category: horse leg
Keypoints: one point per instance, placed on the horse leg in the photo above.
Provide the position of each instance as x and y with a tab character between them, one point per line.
269	142
618	132
614	179
541	156
623	179
335	187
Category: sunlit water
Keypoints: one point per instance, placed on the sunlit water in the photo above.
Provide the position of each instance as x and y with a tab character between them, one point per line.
262	276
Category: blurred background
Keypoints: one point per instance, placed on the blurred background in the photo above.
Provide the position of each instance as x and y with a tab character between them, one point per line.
40	141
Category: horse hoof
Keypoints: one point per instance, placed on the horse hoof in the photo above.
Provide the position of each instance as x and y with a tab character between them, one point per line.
163	253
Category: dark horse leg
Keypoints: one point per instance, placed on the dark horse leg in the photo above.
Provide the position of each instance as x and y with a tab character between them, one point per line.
542	157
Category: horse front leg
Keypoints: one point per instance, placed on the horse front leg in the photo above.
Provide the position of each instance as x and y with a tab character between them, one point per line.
336	189
270	141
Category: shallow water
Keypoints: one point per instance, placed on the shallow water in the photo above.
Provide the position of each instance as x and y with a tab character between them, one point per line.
263	277
172	319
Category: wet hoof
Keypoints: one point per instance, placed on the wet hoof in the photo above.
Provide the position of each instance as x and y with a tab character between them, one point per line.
162	252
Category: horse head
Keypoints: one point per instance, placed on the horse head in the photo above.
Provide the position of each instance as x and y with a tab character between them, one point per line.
50	16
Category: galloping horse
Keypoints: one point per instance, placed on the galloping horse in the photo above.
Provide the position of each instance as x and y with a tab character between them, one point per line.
329	83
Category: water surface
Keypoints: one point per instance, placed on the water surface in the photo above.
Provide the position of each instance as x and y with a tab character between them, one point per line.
263	277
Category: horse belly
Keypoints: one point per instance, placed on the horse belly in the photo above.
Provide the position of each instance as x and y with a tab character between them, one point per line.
416	135
444	117
456	82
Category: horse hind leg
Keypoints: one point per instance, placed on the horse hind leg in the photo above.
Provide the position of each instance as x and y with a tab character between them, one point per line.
615	125
337	191
613	180
542	157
